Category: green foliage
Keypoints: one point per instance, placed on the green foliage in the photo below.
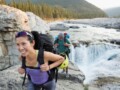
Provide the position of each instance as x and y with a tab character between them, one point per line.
2	2
46	11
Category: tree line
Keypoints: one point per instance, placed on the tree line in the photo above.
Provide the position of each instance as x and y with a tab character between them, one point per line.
46	11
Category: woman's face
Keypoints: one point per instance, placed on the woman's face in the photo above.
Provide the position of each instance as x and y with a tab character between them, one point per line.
24	46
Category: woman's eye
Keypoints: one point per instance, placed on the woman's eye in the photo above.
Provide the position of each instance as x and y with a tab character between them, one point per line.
17	44
23	43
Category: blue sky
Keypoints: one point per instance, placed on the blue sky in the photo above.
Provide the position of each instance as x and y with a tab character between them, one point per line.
105	4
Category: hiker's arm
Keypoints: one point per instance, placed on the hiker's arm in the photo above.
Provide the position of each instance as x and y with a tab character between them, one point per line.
21	70
56	59
55	45
67	43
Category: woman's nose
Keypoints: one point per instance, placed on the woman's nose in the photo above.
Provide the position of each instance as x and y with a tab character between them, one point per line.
20	47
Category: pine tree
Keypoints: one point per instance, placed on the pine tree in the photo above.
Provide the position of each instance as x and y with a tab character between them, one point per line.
2	2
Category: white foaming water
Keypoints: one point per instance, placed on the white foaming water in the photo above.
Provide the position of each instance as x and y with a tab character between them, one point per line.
72	54
101	60
97	60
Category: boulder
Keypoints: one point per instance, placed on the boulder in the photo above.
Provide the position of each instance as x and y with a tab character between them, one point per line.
11	21
115	41
36	23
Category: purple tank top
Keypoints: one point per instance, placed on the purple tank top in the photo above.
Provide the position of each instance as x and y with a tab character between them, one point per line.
37	76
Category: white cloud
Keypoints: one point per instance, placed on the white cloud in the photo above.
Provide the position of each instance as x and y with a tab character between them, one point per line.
104	4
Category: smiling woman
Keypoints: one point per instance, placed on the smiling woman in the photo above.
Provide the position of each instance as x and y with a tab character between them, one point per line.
38	73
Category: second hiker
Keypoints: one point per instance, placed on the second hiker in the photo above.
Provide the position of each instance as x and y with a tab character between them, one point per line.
62	45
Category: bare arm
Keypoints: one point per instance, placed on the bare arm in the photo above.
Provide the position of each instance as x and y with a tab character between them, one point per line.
20	69
66	44
55	45
48	56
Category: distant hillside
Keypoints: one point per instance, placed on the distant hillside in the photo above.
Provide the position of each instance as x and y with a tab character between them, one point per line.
81	7
113	12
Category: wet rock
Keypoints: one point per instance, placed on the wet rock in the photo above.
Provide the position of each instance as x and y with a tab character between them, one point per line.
115	41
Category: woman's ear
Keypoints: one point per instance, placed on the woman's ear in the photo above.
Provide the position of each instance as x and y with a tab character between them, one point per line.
33	43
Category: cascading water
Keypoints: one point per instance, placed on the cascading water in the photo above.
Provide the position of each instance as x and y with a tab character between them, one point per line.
97	60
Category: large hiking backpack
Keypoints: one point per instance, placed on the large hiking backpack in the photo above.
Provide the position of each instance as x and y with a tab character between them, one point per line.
67	51
43	44
43	41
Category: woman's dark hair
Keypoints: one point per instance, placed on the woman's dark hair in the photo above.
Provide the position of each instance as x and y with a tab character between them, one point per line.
25	33
37	39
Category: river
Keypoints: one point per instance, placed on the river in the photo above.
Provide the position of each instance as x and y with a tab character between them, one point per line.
98	59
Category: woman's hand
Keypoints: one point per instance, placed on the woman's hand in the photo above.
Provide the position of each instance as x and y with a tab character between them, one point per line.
56	45
21	70
45	67
65	44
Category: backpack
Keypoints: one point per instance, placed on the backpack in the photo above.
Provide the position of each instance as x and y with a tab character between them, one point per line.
67	51
43	43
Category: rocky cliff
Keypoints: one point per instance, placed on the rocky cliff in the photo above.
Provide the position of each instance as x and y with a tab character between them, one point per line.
11	21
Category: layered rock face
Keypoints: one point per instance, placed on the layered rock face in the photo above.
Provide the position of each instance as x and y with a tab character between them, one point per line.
36	23
11	21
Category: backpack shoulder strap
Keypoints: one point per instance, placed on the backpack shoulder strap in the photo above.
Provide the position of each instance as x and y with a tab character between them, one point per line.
65	39
56	41
23	62
40	57
24	67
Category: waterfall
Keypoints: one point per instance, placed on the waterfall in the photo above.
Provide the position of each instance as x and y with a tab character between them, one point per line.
72	54
97	60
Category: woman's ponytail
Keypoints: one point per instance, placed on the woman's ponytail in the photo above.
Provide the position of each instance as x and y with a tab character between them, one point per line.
37	39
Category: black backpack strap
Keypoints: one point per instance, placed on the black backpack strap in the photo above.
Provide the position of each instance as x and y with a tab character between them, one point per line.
40	57
24	79
24	67
56	74
23	63
65	39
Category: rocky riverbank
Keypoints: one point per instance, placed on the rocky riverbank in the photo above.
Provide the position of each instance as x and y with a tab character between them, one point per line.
99	22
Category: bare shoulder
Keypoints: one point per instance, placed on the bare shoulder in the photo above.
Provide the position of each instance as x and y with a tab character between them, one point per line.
51	56
47	54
